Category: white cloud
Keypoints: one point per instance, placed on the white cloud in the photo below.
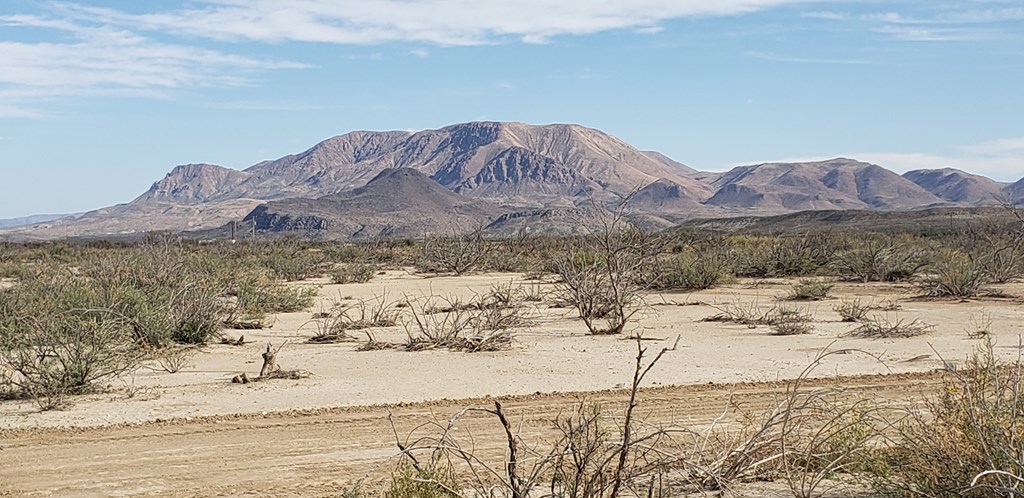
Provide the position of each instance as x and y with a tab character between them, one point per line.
928	34
108	61
443	22
804	60
420	52
827	15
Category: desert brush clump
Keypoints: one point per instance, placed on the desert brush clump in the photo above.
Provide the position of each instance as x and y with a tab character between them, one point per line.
488	322
692	269
78	315
953	274
352	273
890	327
880	261
455	253
966	441
807	289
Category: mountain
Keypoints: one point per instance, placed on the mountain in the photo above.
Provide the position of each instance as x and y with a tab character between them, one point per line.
957	186
835	184
481	159
1015	192
671	163
33	220
368	183
400	202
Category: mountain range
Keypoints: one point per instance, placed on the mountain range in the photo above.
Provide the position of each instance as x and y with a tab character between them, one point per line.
496	174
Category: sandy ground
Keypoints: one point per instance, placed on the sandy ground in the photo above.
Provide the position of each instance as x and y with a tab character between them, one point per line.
322	452
305	437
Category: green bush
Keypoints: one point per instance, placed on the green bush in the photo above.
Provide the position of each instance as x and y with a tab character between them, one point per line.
973	427
690	270
953	274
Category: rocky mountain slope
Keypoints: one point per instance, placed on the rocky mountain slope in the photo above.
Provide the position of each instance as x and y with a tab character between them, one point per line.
508	173
400	202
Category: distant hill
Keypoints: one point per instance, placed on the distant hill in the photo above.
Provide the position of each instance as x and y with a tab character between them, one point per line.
827	185
960	187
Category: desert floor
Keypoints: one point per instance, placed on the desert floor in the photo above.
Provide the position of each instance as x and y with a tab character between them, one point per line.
194	433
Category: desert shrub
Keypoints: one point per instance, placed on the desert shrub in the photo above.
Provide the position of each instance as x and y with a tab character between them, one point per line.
604	274
884	327
353	273
852	310
434	481
291	261
810	290
967	441
691	270
750	314
52	357
173	359
457	254
879	261
196	313
791	321
256	293
953	274
484	324
785	256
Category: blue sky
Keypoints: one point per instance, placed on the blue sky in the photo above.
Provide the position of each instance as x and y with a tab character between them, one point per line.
100	99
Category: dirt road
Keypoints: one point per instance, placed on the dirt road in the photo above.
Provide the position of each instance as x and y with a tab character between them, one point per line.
319	453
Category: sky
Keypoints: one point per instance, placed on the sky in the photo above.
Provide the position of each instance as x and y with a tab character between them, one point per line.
100	99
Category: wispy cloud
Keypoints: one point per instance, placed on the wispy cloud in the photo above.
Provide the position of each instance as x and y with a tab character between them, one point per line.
422	53
951	24
827	15
803	60
927	34
443	22
109	61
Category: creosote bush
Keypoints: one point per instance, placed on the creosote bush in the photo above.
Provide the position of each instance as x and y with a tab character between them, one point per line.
810	290
953	274
691	270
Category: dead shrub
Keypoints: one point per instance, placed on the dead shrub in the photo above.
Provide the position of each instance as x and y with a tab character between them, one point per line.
484	324
457	254
884	327
333	326
852	310
604	274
